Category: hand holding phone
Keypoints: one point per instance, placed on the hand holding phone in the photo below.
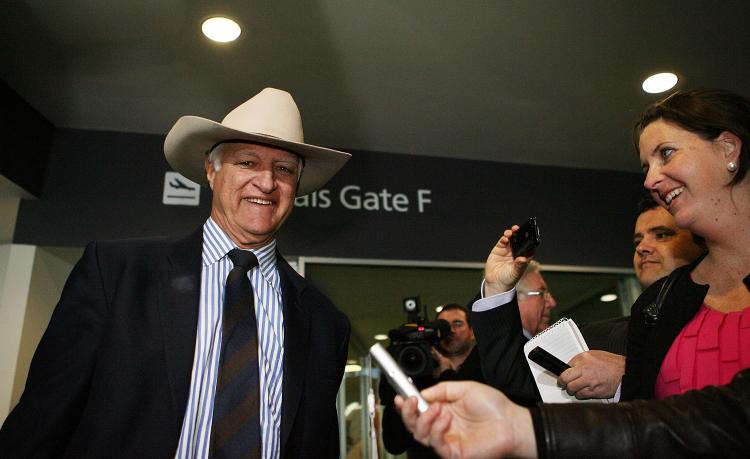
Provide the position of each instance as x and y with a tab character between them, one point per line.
526	239
398	379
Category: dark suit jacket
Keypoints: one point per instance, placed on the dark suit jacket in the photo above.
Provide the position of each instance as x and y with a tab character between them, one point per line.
500	341
111	375
609	335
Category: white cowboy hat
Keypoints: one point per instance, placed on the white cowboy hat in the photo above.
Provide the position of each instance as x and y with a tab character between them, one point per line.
271	118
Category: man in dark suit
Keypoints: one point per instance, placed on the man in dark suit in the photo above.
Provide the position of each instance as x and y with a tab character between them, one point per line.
131	362
498	325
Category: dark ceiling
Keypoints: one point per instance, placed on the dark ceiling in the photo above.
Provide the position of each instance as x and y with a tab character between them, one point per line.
541	82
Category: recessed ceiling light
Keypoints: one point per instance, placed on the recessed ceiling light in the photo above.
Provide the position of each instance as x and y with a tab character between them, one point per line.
609	297
351	368
439	309
659	83
221	29
381	337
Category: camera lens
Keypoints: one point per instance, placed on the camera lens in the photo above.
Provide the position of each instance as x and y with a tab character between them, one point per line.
413	360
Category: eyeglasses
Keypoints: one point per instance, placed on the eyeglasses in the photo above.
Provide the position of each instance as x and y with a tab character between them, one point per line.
542	292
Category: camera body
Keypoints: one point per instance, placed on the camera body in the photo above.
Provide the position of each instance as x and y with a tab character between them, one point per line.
411	343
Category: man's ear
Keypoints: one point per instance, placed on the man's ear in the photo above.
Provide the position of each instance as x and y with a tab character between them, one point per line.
210	172
730	144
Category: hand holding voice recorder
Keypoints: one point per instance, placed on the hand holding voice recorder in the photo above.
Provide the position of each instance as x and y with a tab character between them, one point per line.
398	379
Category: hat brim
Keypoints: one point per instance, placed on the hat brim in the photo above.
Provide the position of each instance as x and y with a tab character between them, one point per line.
191	137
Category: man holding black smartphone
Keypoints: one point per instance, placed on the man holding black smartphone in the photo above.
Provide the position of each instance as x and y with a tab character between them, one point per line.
498	325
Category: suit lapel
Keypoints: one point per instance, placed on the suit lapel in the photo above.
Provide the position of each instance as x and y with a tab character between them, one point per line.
179	296
296	338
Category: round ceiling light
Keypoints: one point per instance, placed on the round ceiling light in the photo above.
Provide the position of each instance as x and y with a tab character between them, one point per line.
221	29
608	297
381	337
659	83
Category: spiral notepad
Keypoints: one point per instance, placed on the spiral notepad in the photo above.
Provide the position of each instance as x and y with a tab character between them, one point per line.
563	340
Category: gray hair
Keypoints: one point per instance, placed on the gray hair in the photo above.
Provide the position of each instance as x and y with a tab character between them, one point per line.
215	154
533	267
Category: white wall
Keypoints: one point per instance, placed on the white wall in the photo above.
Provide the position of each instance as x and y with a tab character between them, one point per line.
31	280
16	266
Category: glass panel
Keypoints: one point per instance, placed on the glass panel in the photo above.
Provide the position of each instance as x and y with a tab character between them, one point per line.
360	425
578	295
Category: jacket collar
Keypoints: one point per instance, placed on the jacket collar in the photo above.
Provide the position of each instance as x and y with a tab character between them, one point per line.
179	295
296	344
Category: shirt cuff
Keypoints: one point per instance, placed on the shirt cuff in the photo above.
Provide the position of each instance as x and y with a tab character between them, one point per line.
616	398
494	301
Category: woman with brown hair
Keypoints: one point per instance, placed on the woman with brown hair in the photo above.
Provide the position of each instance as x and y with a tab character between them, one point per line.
694	149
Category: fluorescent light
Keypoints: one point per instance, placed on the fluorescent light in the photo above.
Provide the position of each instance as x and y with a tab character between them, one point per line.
221	29
608	298
351	368
381	337
659	83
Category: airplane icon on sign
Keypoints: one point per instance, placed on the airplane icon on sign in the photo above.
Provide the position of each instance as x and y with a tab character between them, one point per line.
178	184
180	191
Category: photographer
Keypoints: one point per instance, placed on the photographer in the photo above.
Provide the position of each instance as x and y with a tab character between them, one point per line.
455	359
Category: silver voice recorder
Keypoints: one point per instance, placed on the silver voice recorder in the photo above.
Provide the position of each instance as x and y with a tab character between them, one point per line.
402	383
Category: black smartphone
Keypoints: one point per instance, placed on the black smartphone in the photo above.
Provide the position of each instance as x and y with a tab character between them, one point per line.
524	242
548	361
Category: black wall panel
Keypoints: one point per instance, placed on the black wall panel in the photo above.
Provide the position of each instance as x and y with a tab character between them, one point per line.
104	185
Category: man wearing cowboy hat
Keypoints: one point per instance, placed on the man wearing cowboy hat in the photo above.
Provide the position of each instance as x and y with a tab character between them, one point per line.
132	362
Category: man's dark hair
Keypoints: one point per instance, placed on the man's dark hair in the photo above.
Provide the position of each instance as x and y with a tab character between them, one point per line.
706	113
458	307
647	203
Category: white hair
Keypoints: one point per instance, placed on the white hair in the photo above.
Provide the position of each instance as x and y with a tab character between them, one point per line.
214	156
532	267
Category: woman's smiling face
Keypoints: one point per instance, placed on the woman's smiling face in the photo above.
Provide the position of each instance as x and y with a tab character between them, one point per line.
685	173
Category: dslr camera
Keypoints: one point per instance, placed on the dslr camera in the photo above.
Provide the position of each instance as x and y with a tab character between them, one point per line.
411	343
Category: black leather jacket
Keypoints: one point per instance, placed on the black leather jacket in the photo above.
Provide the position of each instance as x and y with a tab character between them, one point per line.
711	422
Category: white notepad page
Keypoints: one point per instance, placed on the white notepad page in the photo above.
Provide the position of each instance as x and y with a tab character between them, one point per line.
562	339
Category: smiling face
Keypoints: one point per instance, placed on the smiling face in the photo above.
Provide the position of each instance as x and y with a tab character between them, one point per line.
686	174
253	191
660	246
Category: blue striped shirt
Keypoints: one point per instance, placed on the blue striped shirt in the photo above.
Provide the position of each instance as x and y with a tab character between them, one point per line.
196	426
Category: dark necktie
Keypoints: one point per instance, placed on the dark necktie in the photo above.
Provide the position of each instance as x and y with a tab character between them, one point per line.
235	431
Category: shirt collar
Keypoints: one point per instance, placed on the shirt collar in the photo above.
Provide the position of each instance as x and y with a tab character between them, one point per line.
216	245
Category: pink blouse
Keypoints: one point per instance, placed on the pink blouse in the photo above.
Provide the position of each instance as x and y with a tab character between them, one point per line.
711	348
